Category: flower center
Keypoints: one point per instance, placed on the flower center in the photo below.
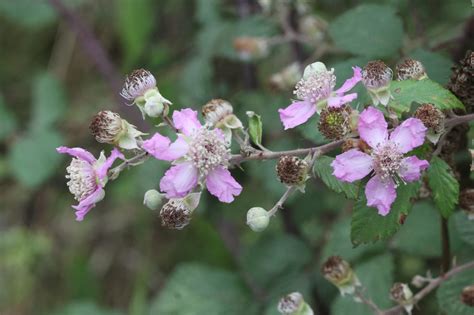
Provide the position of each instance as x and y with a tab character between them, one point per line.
387	160
82	179
316	87
208	150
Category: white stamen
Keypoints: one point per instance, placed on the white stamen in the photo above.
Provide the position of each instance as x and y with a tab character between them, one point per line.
387	160
316	87
82	179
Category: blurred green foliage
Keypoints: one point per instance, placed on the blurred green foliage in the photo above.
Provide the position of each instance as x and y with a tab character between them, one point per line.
120	260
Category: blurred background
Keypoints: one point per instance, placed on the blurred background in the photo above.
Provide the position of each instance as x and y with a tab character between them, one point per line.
63	61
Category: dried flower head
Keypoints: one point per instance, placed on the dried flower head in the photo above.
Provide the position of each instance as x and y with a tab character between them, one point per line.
339	272
292	170
376	77
335	122
410	69
250	48
291	303
401	293
461	82
175	214
431	116
137	83
467	295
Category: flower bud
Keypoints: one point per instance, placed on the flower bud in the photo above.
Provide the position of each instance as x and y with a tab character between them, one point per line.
336	122
467	295
376	77
137	83
152	199
109	127
175	214
339	273
466	202
251	48
294	304
287	78
258	219
410	69
401	293
292	170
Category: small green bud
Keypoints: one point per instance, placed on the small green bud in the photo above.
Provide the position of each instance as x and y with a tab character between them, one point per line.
152	199
314	68
258	219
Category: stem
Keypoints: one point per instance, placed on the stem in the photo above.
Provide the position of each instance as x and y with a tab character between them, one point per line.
446	250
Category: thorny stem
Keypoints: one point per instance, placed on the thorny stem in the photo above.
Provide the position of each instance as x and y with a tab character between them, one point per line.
367	301
137	159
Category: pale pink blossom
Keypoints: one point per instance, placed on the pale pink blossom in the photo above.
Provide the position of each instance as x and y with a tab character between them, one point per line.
87	177
386	159
199	156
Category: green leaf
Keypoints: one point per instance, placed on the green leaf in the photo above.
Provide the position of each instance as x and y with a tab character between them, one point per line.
437	66
323	169
376	275
368	226
255	127
194	289
444	186
33	158
424	91
287	254
465	227
448	294
81	308
369	30
49	102
135	20
8	121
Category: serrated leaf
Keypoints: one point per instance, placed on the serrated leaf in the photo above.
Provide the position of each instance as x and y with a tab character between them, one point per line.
49	101
368	30
8	121
195	289
465	227
424	91
376	275
449	294
444	186
368	226
324	170
255	128
33	158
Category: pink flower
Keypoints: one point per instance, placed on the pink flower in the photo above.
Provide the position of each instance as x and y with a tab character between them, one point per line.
87	177
315	91
386	160
199	155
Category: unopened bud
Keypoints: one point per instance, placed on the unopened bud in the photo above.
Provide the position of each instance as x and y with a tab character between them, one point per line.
339	272
152	199
251	48
467	295
109	127
258	219
376	77
410	69
466	202
175	214
401	293
336	122
292	170
294	304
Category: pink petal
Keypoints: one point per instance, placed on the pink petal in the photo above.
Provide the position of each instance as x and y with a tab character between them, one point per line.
410	134
161	147
88	203
380	194
338	101
351	165
296	114
186	121
79	153
412	167
221	184
102	170
350	83
179	180
372	127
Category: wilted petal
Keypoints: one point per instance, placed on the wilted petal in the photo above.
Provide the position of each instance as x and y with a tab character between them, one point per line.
88	203
411	168
179	180
221	184
296	114
350	83
102	170
410	134
79	153
372	127
380	194
338	101
186	121
351	165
